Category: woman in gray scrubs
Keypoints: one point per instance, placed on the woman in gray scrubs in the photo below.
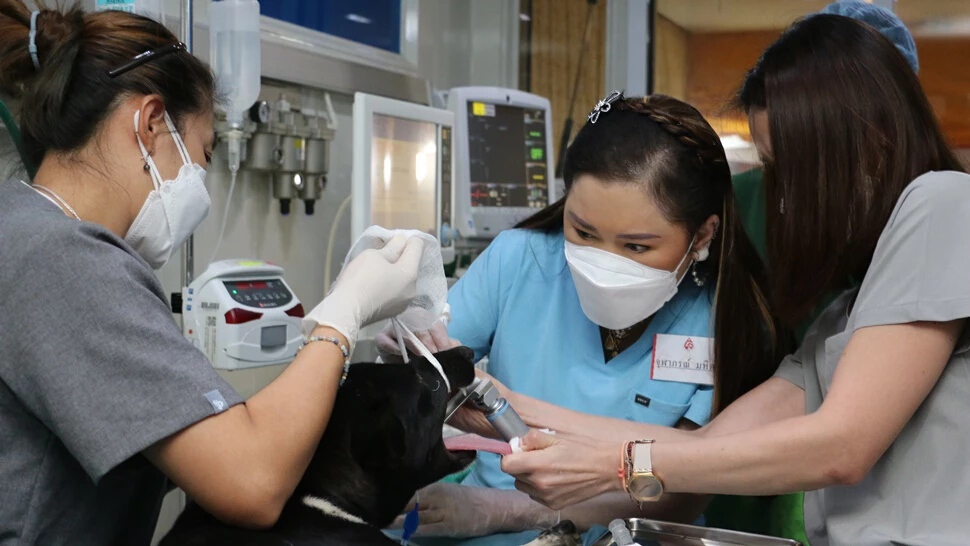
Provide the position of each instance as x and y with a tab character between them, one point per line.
102	400
872	414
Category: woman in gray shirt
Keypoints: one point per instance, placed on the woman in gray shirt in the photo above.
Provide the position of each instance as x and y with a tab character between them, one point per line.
103	402
872	413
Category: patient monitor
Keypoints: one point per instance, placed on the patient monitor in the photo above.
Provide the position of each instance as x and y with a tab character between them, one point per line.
503	163
402	169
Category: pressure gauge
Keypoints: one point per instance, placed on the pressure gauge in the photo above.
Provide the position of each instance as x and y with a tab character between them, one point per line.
260	112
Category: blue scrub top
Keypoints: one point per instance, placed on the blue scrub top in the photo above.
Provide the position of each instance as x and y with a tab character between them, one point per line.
518	306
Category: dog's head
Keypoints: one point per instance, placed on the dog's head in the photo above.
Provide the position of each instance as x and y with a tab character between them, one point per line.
383	441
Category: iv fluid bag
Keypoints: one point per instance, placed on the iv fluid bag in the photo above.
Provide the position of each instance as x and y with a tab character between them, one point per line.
234	53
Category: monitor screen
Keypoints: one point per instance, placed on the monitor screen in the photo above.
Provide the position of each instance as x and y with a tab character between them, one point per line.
507	156
404	159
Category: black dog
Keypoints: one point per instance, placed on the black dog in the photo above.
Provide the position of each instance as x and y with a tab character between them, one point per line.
382	444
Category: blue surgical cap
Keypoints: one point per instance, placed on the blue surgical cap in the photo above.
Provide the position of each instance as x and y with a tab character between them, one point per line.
882	20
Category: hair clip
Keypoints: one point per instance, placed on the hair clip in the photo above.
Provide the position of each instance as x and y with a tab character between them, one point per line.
145	57
604	106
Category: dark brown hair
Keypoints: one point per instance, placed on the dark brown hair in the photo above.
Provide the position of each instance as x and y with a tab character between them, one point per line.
65	101
668	147
850	128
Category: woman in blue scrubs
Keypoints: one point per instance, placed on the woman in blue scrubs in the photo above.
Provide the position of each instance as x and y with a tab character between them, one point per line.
604	303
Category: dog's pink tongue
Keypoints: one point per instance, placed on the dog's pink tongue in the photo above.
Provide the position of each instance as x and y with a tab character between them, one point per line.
474	442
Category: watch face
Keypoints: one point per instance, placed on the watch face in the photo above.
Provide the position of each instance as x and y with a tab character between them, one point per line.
645	487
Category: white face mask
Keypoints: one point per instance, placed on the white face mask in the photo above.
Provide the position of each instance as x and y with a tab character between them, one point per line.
617	292
172	210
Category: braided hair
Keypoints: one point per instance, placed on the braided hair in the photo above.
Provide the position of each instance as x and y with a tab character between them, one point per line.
668	147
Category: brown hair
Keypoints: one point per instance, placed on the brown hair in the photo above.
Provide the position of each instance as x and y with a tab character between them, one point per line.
64	102
668	147
850	128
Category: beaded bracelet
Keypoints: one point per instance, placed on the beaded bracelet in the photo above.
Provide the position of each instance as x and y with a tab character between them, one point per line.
341	346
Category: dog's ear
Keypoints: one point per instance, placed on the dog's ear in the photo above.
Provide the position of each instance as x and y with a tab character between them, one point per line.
381	439
458	364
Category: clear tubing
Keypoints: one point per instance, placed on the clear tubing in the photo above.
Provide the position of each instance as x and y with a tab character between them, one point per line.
225	213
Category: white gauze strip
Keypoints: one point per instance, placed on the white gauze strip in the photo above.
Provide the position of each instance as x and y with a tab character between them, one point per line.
400	329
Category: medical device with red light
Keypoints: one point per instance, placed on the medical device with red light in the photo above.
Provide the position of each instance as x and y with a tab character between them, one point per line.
242	314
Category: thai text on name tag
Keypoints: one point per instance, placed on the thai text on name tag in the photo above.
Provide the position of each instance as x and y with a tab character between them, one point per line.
685	359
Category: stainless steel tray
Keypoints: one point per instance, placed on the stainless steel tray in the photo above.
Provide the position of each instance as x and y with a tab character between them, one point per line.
660	533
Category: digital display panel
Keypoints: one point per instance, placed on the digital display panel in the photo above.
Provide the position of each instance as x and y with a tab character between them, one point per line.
267	294
508	159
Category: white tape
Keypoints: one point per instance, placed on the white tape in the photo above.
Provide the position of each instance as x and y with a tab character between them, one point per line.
399	329
516	443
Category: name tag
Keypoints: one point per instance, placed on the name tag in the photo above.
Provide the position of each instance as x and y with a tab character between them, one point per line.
684	359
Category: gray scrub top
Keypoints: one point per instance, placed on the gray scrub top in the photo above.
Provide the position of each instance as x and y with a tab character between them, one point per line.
918	493
93	369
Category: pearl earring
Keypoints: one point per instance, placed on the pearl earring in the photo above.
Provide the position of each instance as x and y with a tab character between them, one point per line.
697	278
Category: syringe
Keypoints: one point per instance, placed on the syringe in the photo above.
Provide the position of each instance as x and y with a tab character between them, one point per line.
621	535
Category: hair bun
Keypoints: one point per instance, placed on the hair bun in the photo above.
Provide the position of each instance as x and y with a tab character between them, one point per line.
58	39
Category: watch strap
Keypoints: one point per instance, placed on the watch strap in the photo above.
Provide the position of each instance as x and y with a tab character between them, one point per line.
641	457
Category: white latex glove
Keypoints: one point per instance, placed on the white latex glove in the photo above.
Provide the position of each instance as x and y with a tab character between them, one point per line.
459	511
435	339
378	284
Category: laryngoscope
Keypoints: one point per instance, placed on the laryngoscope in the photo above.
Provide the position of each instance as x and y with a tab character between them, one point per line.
483	395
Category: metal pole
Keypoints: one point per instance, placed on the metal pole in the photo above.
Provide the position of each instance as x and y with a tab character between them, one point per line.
188	251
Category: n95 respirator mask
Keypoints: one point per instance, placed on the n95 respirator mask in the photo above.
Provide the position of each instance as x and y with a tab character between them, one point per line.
173	209
617	292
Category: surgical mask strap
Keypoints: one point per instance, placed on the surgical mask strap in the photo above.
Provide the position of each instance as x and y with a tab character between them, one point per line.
690	248
402	331
179	145
156	176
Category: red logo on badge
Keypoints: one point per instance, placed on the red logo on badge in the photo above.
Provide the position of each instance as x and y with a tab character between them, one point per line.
689	344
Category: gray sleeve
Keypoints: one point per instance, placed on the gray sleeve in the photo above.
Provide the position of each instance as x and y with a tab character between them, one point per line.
791	370
921	267
103	364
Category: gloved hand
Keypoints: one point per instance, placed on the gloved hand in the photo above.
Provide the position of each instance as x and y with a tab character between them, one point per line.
452	510
435	339
376	285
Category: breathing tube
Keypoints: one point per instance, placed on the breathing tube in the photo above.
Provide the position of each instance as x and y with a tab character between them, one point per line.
14	131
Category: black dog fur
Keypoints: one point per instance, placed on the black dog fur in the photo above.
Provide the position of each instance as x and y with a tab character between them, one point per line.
382	444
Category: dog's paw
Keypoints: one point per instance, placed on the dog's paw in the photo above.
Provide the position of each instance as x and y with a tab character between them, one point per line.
562	534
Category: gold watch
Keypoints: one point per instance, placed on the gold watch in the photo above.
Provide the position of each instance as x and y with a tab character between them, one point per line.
639	479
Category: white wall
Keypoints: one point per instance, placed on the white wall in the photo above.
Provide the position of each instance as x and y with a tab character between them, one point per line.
469	42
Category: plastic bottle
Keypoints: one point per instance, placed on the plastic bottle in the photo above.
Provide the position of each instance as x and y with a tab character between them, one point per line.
235	59
621	535
234	54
